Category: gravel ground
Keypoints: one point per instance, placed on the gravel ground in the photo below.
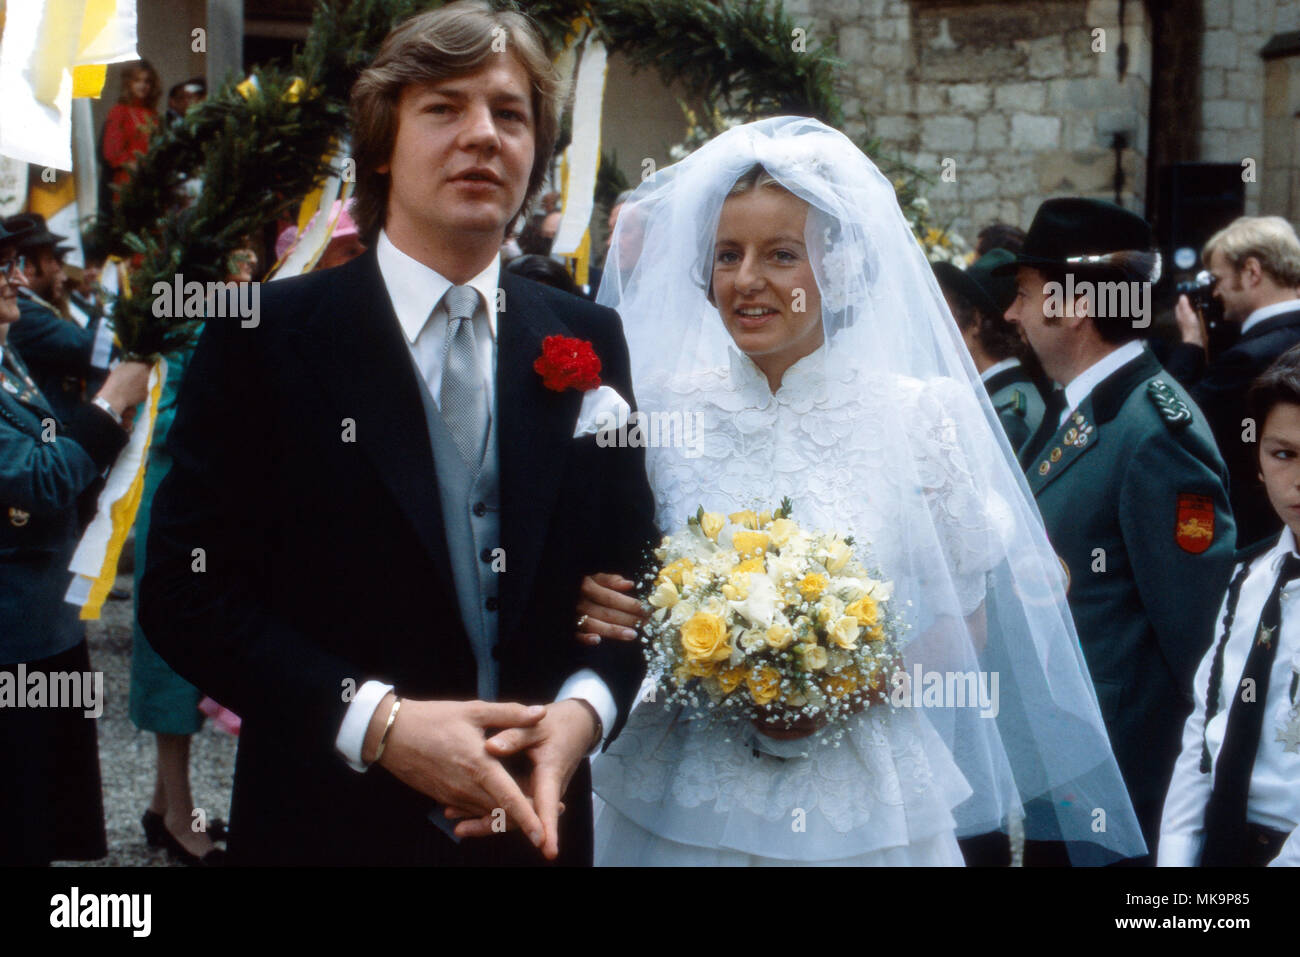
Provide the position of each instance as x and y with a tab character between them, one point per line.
127	755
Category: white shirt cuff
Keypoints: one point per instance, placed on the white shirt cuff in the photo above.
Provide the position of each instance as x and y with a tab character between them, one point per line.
588	686
1179	850
352	733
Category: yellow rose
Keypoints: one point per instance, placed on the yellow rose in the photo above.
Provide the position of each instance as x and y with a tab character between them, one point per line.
750	543
837	556
764	519
764	685
837	686
739	582
674	571
781	530
812	585
745	519
779	637
704	637
751	565
814	658
864	610
731	678
710	524
844	633
829	609
665	596
702	669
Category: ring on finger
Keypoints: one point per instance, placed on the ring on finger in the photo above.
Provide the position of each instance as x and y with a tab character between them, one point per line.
582	621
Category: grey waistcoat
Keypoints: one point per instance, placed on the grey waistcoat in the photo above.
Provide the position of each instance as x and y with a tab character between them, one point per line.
471	516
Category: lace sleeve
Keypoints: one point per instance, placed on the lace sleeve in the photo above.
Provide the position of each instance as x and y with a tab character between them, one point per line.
955	450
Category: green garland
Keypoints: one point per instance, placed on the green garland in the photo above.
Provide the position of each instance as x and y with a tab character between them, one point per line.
259	155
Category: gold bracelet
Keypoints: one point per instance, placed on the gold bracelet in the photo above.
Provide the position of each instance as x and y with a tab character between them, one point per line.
392	716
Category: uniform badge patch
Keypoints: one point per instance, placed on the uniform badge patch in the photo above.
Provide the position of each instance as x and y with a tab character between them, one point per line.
1194	526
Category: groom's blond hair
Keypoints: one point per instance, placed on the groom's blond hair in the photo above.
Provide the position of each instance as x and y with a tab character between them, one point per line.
437	45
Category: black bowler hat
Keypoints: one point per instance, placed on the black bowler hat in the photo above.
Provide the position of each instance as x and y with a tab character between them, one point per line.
1088	235
36	233
989	292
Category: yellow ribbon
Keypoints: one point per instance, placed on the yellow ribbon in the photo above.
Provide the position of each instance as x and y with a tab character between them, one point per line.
122	513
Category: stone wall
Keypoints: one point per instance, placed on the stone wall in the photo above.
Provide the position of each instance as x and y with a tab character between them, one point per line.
1012	94
1233	88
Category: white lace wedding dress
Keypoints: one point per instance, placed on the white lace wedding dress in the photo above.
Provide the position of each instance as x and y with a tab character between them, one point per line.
674	792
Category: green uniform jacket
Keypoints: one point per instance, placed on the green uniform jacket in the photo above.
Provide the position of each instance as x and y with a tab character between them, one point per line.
1133	494
1018	404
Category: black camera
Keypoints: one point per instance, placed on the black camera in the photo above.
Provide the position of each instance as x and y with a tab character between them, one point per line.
1199	290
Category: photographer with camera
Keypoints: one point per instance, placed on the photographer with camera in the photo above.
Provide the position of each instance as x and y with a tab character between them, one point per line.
1255	265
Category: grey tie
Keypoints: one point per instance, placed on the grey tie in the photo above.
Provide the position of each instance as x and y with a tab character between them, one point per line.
461	397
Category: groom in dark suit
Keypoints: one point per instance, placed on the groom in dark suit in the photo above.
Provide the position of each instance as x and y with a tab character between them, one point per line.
371	541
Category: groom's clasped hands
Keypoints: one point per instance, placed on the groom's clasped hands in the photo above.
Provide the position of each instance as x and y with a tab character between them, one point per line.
447	750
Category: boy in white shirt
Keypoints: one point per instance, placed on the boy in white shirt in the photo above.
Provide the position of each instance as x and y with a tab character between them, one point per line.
1235	795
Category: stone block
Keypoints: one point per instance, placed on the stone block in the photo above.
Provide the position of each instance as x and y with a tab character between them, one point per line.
969	97
948	133
992	131
1020	96
1029	132
1220	48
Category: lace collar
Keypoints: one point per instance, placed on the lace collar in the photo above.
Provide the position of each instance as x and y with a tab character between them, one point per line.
803	380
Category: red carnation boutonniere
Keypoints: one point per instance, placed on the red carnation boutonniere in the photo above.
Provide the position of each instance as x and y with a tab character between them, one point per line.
568	364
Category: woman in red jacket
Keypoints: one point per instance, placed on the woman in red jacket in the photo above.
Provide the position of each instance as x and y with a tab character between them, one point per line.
131	121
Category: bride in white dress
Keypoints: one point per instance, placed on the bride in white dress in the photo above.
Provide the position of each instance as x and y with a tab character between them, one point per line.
777	306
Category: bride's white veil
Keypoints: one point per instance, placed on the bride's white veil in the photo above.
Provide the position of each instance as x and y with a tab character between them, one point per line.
894	386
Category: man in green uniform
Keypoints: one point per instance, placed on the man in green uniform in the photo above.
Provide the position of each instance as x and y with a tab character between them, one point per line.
1129	482
977	299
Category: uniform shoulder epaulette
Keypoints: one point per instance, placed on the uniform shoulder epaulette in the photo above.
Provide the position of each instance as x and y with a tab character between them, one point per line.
1171	407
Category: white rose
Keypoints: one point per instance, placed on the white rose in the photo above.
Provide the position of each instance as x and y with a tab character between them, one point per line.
760	605
881	591
665	596
681	612
837	556
847	589
753	639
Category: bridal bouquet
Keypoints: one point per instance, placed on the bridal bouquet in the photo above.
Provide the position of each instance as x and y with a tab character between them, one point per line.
757	618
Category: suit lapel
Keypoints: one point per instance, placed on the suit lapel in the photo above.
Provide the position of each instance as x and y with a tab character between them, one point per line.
535	432
356	328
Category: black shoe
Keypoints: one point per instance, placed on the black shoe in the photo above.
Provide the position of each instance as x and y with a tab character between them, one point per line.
154	828
177	852
118	594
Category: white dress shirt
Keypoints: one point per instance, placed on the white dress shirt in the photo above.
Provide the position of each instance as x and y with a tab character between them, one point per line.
416	292
1081	386
1274	799
997	367
1268	312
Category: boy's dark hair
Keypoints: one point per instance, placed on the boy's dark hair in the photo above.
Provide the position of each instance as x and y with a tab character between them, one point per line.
1279	383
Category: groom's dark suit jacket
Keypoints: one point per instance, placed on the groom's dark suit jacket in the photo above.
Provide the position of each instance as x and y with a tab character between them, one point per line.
325	561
